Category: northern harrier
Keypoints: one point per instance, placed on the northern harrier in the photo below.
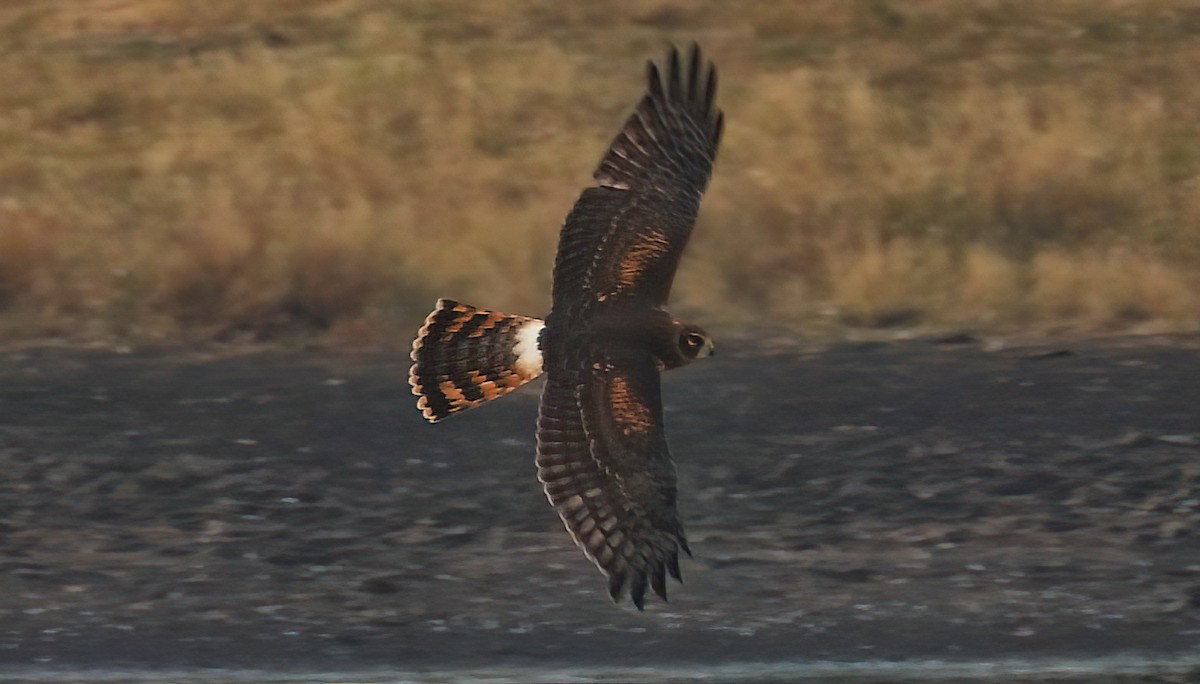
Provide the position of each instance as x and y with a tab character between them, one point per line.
601	449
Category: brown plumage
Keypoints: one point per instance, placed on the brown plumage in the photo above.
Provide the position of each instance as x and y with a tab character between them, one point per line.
465	356
602	453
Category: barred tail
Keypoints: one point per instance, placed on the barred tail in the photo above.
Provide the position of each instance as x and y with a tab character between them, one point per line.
465	356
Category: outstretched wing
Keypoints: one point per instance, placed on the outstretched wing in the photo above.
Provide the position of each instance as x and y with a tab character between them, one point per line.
603	460
624	237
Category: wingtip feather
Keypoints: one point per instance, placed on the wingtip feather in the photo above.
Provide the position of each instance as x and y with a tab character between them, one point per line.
671	129
637	590
653	79
693	75
658	579
616	585
674	75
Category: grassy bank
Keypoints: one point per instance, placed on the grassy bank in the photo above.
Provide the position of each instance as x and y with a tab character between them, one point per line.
215	169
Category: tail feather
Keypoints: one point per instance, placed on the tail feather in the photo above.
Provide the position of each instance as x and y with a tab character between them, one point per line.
464	356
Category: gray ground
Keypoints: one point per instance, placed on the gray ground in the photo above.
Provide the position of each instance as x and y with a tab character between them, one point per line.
867	512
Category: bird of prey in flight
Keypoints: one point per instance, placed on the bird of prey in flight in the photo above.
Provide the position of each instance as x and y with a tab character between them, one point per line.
602	452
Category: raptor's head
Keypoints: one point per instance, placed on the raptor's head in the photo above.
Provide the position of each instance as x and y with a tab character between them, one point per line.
693	343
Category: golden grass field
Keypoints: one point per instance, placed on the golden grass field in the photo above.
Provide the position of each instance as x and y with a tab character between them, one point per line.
229	169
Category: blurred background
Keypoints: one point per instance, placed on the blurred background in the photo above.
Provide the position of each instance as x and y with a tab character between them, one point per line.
296	169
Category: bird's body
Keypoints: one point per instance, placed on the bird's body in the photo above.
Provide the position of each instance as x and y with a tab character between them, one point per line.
602	454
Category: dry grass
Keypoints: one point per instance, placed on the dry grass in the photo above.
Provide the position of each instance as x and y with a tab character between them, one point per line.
213	169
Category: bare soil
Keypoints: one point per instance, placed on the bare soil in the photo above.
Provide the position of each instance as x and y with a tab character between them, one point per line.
921	501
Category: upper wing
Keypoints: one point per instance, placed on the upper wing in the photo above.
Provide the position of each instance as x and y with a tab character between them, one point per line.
602	458
625	237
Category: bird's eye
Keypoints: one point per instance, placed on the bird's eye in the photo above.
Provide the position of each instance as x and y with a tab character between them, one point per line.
694	340
694	344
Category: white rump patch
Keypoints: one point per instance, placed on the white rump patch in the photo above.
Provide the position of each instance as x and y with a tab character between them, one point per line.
529	355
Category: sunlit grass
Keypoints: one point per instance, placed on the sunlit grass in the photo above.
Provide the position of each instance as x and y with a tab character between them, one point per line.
227	168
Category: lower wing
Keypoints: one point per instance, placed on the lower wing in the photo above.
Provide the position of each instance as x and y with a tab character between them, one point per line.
603	460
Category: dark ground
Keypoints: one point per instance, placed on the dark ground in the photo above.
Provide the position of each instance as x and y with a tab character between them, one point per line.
863	512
